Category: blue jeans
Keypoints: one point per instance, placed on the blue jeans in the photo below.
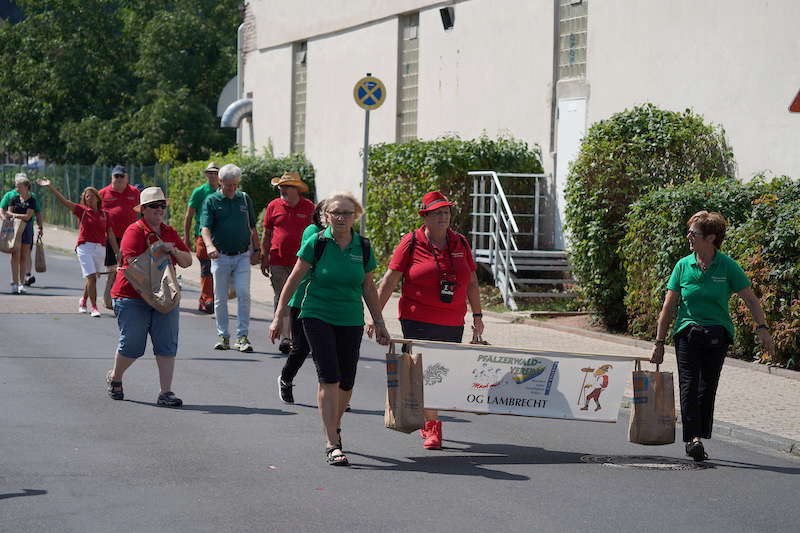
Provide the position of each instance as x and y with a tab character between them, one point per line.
235	269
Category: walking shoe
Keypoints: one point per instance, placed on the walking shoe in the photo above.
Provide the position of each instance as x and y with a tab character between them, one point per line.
29	280
285	391
285	346
95	312
114	388
168	399
696	451
222	343
82	305
206	307
21	289
433	435
13	288
243	344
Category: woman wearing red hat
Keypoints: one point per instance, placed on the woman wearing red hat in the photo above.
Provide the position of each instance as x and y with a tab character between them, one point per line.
438	273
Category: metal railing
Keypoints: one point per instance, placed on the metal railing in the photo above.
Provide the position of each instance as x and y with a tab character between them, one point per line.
71	180
495	230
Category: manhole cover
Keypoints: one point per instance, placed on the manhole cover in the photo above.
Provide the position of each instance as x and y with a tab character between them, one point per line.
645	462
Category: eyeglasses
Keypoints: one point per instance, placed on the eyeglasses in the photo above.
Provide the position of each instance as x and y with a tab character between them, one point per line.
694	233
156	205
118	176
341	214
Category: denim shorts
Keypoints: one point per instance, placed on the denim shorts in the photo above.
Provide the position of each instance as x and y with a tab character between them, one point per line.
27	233
136	320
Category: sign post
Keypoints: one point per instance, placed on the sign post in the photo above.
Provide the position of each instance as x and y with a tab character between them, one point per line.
369	93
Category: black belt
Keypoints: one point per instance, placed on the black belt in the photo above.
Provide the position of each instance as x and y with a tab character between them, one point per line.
234	253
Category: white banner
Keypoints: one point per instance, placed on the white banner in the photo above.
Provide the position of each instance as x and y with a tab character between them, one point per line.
509	381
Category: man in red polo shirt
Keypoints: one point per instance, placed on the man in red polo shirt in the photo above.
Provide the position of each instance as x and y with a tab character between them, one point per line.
119	199
284	222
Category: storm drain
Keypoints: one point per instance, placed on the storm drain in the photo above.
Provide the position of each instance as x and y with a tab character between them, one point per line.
645	462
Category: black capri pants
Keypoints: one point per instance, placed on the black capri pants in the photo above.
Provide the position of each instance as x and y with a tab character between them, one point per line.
425	331
335	350
700	352
300	348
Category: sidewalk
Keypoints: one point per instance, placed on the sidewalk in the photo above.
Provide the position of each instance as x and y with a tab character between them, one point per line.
753	404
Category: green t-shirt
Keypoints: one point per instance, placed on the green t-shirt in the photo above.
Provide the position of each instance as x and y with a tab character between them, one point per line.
196	202
704	296
334	290
297	298
230	221
7	197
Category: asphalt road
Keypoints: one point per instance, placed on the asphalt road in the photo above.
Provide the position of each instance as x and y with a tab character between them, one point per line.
237	459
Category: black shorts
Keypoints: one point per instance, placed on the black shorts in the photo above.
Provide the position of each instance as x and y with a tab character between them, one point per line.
425	331
111	258
335	350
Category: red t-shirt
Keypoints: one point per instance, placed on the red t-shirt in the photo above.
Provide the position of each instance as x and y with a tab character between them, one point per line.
419	299
119	206
287	224
93	224
134	243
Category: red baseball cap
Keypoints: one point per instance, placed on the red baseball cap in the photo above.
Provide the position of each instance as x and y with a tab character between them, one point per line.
432	201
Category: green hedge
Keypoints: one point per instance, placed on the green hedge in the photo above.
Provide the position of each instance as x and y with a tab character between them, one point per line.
621	159
257	171
763	236
767	246
400	174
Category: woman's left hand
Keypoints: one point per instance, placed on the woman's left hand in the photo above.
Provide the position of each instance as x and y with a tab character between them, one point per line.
382	334
477	325
275	329
765	339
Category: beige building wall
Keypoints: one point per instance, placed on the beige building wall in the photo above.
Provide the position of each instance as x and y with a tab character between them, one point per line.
736	62
269	78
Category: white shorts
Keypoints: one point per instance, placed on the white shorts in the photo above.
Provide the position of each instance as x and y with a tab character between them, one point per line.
92	257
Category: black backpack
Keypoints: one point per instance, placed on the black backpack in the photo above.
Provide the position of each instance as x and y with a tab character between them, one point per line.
319	248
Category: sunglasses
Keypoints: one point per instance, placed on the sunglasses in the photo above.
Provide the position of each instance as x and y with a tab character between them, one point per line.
694	233
156	205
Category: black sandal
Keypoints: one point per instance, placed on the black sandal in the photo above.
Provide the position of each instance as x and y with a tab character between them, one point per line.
339	434
333	459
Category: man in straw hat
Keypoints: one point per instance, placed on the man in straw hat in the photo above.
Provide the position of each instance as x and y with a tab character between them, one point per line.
196	202
228	227
284	221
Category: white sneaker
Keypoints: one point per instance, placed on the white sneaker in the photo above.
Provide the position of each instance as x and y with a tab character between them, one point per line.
82	306
21	289
95	312
14	288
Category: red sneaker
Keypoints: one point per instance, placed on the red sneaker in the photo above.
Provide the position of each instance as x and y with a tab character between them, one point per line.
433	435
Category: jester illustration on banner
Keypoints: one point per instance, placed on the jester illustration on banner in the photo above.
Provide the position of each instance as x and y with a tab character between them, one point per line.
600	384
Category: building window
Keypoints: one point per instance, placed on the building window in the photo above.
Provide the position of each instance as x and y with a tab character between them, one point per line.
572	17
299	97
408	62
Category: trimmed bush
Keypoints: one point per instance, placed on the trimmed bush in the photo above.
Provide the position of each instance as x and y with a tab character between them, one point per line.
621	159
400	174
656	239
767	247
257	171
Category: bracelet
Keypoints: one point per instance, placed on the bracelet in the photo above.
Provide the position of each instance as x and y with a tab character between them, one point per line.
477	315
660	342
762	326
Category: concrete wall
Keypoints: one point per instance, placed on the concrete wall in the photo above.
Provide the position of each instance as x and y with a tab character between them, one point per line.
735	62
269	77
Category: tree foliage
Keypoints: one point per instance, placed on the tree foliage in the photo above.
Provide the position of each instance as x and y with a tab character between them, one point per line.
622	158
101	81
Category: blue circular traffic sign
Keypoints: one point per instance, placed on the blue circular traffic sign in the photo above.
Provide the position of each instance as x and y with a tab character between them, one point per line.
369	93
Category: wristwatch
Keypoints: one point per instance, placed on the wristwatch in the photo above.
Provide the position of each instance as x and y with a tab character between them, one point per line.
477	315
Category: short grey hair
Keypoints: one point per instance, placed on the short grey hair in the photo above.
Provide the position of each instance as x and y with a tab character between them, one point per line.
22	178
229	172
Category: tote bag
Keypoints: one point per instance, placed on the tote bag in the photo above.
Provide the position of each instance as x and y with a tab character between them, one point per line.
39	261
153	276
404	394
11	234
653	412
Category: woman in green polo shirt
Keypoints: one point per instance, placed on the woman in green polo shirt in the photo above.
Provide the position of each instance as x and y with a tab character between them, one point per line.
332	312
700	287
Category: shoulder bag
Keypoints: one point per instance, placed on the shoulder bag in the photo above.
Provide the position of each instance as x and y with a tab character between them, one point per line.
152	274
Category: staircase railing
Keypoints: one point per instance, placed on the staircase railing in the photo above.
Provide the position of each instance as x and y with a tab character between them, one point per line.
495	228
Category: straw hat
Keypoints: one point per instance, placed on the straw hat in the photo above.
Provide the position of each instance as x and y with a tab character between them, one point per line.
212	167
290	178
150	195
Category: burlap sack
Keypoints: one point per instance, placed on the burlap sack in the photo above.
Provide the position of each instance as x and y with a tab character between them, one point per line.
404	395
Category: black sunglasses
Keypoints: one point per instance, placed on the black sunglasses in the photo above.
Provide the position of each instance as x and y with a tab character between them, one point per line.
156	205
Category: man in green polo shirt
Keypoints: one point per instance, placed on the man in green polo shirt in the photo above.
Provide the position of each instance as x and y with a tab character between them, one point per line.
228	228
4	203
196	202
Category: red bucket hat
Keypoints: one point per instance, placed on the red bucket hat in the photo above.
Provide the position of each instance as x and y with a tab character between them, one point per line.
432	201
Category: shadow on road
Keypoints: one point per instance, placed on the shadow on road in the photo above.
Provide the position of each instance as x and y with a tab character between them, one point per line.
463	462
25	492
222	409
226	359
725	463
